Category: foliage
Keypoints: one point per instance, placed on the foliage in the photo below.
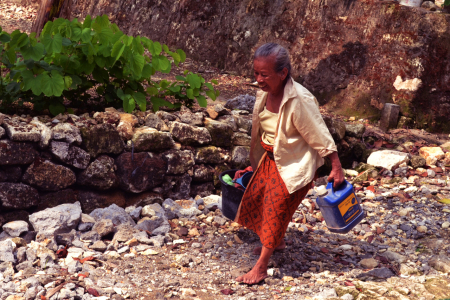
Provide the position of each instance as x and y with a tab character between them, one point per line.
70	59
447	3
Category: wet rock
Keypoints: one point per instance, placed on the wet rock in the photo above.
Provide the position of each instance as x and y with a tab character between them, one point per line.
100	174
221	133
188	117
189	135
202	189
103	227
150	139
242	102
431	154
6	251
145	172
18	196
10	173
178	161
153	121
59	219
203	173
212	155
115	213
177	187
241	139
102	139
16	153
91	200
336	128
45	132
15	228
71	155
355	130
417	161
240	157
22	133
67	133
48	176
440	263
387	158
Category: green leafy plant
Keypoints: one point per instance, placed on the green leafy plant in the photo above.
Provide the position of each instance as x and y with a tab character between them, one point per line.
73	63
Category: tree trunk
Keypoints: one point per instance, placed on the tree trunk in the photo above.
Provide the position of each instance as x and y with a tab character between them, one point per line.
49	10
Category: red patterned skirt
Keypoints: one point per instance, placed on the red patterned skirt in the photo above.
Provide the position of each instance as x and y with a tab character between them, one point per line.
267	207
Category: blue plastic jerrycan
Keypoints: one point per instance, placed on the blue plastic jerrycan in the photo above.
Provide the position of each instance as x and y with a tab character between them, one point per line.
340	208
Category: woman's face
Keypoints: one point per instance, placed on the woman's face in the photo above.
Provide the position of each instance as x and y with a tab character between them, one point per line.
268	79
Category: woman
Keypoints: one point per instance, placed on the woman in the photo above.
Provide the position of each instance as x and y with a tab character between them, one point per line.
289	141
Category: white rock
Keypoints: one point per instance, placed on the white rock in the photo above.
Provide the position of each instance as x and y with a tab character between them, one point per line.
387	158
446	224
59	219
325	294
408	85
15	228
347	297
212	199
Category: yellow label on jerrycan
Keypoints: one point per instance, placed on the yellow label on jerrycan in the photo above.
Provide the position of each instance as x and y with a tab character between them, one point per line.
340	208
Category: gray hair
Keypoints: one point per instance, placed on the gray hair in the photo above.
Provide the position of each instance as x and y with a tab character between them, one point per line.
282	59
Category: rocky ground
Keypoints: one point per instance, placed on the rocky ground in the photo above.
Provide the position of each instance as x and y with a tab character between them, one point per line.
187	249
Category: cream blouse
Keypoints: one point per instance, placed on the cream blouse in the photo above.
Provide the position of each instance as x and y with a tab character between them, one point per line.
268	121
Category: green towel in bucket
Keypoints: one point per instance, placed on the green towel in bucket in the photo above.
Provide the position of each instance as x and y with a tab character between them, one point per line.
227	179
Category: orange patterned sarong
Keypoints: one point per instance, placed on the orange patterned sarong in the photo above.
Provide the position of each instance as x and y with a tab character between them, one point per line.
267	207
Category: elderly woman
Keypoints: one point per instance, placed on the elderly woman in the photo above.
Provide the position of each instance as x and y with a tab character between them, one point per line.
289	142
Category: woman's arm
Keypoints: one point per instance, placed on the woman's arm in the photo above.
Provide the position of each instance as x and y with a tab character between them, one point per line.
337	174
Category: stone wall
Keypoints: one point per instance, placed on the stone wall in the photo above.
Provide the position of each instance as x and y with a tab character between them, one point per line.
348	53
116	158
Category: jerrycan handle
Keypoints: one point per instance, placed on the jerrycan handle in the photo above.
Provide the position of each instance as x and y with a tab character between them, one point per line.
330	185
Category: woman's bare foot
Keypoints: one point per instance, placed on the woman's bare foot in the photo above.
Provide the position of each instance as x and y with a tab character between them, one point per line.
257	274
281	246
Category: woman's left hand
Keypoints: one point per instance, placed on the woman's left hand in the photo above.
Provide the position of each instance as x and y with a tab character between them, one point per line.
337	174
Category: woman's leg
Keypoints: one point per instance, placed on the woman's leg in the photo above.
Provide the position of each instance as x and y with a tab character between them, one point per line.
259	271
281	246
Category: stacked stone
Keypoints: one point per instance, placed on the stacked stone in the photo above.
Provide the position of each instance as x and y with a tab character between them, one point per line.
117	158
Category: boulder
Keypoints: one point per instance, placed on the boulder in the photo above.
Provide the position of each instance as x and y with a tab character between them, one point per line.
229	120
126	125
18	195
22	133
243	102
116	214
189	135
431	154
48	176
124	232
145	172
100	174
91	200
7	248
16	153
187	209
86	223
150	139
149	223
53	199
212	155
165	116
59	219
244	123
103	227
69	154
152	210
45	132
336	128
153	121
241	139
102	138
355	130
16	215
110	116
221	133
240	157
178	161
202	189
15	228
188	117
212	112
177	187
10	173
387	158
67	133
203	173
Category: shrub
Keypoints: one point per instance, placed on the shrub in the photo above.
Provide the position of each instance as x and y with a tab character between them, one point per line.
71	59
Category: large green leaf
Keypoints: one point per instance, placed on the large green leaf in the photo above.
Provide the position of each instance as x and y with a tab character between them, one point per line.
140	100
136	64
54	85
68	81
211	95
158	102
18	39
4	37
34	53
182	55
52	45
155	48
447	3
194	80
117	50
86	35
87	22
190	93
105	35
202	101
137	46
147	71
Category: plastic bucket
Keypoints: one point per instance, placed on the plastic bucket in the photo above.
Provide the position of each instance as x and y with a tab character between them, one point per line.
231	196
413	3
